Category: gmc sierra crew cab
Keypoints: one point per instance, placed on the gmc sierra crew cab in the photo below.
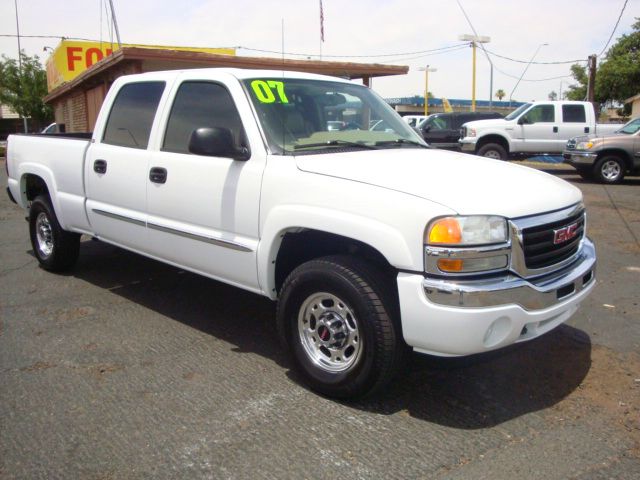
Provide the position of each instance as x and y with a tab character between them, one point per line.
536	127
368	245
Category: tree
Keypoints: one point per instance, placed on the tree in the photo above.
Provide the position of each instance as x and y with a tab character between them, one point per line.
618	76
579	91
23	90
500	94
553	95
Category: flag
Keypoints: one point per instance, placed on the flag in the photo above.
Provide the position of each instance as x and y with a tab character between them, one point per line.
321	23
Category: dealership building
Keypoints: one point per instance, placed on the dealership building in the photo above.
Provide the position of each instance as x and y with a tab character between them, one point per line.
79	74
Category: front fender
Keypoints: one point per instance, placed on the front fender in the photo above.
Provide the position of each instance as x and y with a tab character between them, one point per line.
384	238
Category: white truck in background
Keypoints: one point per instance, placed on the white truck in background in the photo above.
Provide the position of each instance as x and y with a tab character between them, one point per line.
369	246
533	128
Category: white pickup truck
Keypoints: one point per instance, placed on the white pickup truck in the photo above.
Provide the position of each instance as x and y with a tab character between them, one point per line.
368	243
536	127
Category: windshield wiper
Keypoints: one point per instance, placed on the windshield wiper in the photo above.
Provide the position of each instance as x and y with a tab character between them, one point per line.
334	143
400	142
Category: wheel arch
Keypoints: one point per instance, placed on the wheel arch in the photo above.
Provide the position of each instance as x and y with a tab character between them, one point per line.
295	235
493	138
617	152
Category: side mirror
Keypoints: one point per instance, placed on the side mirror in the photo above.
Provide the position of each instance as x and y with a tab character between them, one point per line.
523	120
426	128
216	142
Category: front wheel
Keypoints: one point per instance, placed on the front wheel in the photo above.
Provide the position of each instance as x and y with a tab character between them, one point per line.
336	316
493	150
609	169
56	249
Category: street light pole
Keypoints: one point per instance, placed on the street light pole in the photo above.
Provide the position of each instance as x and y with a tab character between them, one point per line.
426	87
474	39
525	70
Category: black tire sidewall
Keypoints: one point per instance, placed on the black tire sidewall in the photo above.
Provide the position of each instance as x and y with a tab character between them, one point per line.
493	146
65	244
361	377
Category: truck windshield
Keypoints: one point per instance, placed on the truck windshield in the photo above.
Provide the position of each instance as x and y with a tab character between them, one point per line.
630	128
315	116
516	113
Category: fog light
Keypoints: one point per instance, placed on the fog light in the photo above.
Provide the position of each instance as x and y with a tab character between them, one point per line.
472	264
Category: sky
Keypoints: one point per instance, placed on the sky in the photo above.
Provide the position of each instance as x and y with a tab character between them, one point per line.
360	30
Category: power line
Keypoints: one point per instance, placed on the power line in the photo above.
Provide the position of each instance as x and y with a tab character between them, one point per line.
535	63
404	59
614	28
353	56
530	79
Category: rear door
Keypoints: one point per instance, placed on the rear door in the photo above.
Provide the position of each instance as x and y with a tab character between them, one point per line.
441	132
116	166
574	122
203	212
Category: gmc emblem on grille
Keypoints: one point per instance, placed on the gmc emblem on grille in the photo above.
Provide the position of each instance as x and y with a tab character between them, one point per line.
565	234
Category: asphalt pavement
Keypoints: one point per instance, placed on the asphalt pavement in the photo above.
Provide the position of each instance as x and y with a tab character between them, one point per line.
128	369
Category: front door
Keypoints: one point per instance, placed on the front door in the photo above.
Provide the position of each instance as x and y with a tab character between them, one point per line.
203	211
539	132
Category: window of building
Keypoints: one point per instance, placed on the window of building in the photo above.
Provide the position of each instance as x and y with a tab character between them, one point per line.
198	105
573	114
132	114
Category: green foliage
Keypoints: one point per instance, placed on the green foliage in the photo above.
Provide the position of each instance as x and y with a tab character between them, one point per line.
579	91
500	94
553	95
618	76
24	90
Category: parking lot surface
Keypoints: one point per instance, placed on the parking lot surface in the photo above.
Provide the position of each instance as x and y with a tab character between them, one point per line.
128	368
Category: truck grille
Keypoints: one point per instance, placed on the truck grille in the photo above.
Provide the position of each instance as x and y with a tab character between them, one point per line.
551	243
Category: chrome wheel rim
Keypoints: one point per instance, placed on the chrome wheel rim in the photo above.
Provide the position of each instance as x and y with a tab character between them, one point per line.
329	332
610	170
493	154
44	235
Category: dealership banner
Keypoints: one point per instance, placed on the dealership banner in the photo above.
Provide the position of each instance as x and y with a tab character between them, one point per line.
71	58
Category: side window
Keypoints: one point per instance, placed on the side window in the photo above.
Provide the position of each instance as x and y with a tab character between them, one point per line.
132	114
573	114
440	123
197	105
541	113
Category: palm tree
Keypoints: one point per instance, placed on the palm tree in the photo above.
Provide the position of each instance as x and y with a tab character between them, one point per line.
500	94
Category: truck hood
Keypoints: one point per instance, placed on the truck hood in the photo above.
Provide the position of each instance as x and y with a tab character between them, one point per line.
464	183
490	123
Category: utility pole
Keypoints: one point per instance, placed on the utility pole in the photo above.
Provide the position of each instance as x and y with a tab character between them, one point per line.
474	39
426	70
591	85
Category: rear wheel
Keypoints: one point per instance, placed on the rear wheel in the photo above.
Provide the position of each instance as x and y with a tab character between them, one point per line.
56	249
493	150
609	169
335	315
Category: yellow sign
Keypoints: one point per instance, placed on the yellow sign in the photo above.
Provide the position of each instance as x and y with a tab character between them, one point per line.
71	58
446	105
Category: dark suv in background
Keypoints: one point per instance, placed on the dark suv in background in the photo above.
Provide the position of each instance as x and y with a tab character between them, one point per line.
442	130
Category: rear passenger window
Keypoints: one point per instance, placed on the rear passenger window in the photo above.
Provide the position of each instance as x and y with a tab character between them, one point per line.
198	105
573	114
132	114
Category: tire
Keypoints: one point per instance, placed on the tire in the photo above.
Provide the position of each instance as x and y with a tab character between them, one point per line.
609	169
492	150
56	249
354	346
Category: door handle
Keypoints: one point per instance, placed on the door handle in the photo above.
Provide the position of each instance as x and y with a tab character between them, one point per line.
555	129
586	129
158	175
100	166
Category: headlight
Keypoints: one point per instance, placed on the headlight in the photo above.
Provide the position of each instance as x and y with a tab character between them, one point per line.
467	231
471	132
584	145
470	244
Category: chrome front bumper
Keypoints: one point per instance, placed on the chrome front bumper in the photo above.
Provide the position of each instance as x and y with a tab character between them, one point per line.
579	158
531	294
